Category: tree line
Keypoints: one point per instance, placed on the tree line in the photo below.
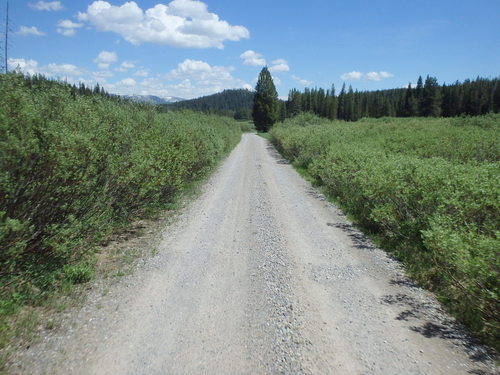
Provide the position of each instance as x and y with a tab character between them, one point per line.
425	99
235	103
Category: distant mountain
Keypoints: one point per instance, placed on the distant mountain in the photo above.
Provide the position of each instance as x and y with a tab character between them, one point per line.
237	103
153	99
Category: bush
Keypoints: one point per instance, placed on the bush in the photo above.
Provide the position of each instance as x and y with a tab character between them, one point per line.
78	273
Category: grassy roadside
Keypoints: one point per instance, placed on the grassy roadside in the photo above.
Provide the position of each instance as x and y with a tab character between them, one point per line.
247	126
116	256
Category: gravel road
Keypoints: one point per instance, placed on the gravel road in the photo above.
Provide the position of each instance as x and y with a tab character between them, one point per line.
259	275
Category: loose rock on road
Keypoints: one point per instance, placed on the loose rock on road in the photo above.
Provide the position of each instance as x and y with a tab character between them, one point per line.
260	275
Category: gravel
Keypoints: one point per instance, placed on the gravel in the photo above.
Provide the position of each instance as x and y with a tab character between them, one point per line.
259	275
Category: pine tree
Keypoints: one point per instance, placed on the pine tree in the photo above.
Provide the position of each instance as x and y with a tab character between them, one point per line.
349	105
342	104
265	105
411	103
282	110
432	98
294	103
332	103
419	94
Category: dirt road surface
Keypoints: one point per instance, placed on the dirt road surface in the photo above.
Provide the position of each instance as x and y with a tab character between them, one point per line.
260	275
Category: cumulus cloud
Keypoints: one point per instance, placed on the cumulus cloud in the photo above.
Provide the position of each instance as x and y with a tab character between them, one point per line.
50	70
141	73
105	59
370	76
354	75
102	76
279	65
252	58
63	70
26	66
374	76
25	30
181	23
302	81
47	5
200	70
127	82
198	78
126	65
190	79
68	27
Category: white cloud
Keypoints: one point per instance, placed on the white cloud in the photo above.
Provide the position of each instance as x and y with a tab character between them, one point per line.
199	78
276	80
47	5
26	66
141	73
354	75
190	79
302	81
25	30
102	75
105	59
181	23
200	70
68	27
370	76
66	32
63	70
126	65
50	70
374	76
279	65
68	24
127	82
253	58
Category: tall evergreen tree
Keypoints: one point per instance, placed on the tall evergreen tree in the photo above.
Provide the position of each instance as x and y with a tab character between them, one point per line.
265	104
332	103
419	94
342	111
432	98
411	103
294	103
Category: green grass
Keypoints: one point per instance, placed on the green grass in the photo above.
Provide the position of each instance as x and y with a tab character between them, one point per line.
265	135
247	126
426	188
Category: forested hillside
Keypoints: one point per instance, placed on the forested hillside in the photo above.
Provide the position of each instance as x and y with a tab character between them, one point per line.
426	98
428	188
232	103
74	165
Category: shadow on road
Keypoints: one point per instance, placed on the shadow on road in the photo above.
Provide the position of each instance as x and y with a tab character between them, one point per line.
276	155
360	240
432	323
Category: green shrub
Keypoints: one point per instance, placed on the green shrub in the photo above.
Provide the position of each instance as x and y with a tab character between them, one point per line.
78	273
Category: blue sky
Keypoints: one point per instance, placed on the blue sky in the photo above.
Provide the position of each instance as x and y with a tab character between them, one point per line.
190	48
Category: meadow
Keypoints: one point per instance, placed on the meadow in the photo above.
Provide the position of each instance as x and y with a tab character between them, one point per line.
427	190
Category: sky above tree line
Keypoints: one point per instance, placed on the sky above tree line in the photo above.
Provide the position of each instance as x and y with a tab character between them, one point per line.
189	48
